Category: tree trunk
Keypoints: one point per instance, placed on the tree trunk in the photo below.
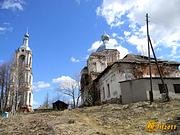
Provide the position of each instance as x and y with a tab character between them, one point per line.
2	95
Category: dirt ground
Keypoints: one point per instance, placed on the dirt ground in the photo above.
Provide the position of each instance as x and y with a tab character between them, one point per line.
109	119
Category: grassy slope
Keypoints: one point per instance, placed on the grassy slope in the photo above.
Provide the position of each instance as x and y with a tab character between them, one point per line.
110	119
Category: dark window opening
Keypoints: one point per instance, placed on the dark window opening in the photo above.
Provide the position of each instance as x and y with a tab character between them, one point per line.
162	89
30	79
29	98
177	88
109	93
103	93
30	62
22	57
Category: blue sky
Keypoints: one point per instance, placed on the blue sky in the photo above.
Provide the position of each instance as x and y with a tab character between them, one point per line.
64	32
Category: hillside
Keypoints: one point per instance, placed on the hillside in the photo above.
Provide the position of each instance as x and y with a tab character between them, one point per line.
109	119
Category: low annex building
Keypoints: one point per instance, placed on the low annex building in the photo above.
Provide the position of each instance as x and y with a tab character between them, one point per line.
128	79
59	105
107	78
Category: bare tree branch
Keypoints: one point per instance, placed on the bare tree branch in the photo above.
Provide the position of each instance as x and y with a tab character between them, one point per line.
71	88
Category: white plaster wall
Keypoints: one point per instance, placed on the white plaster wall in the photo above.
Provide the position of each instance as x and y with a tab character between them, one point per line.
138	90
170	87
27	99
111	78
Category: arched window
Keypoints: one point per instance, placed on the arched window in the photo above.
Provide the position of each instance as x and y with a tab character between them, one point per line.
30	62
22	59
30	79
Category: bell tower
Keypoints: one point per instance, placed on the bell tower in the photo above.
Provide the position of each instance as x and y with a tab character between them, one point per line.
23	67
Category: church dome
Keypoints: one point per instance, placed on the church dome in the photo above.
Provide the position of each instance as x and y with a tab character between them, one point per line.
25	42
105	37
26	35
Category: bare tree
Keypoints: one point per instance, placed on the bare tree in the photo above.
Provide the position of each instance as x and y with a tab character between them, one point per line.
7	85
17	78
71	88
46	103
4	85
11	79
13	88
78	95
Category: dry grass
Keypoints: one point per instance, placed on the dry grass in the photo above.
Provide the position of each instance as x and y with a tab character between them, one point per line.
109	119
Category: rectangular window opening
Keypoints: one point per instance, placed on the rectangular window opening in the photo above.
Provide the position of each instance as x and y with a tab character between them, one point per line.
103	93
29	98
109	93
177	88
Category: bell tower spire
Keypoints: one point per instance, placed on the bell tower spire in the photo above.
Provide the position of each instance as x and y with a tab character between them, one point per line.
26	41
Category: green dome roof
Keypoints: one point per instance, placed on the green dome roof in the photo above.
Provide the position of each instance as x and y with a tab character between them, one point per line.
105	37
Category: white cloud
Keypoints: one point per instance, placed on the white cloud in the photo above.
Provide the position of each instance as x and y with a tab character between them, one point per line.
112	12
114	35
2	28
123	51
112	44
140	43
66	82
127	33
74	60
95	46
164	20
5	27
12	4
40	85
